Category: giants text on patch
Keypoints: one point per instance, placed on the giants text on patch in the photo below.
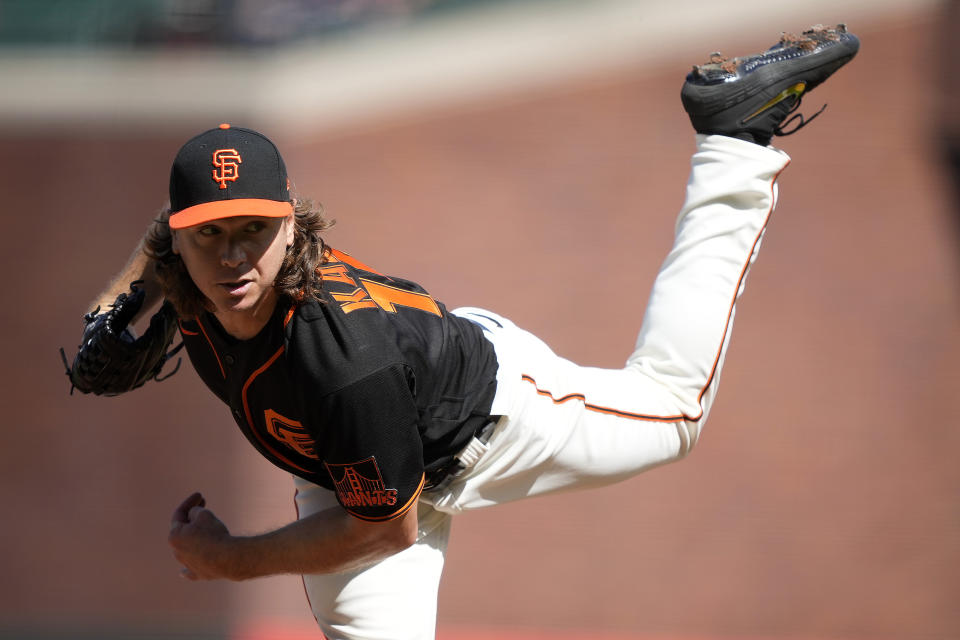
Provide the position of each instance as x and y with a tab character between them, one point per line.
359	484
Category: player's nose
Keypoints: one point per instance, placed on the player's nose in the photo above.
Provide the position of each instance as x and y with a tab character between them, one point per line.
232	254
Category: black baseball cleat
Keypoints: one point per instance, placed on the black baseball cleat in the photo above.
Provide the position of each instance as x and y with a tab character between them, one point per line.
751	97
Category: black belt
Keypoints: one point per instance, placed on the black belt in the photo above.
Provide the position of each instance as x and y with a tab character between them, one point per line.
455	467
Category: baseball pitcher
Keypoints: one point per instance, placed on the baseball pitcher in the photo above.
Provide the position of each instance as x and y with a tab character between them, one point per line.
393	413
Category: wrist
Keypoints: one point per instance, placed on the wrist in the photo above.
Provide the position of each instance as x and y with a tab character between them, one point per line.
240	559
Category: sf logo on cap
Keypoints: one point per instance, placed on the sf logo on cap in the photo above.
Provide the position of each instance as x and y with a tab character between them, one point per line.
226	163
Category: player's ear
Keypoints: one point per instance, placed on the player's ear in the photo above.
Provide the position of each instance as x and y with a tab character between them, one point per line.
290	227
174	244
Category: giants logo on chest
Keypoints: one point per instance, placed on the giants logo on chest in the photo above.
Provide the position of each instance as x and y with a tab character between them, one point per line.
290	432
266	393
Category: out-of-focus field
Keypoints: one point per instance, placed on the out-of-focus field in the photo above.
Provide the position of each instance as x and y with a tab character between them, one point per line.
820	503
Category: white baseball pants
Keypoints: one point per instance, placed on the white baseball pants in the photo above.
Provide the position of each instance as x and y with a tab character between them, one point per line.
569	427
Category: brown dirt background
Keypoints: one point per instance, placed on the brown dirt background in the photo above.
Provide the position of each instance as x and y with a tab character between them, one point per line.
821	502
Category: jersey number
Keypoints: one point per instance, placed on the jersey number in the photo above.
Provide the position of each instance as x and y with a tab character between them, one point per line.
369	294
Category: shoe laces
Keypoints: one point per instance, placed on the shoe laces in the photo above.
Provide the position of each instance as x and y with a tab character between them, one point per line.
780	128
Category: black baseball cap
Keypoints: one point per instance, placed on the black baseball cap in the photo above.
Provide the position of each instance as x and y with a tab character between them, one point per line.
227	172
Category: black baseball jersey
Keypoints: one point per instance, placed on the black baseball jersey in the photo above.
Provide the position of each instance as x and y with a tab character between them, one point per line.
363	392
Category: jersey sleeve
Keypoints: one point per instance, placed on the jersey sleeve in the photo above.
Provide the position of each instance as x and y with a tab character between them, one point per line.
372	447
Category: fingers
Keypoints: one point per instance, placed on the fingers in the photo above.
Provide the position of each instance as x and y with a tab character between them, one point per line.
128	308
182	513
196	535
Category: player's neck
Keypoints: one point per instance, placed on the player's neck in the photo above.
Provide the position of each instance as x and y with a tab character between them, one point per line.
245	323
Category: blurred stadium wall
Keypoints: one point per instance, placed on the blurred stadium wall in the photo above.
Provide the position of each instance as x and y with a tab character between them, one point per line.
520	156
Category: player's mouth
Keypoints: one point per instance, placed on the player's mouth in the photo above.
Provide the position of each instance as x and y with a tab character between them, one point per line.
236	288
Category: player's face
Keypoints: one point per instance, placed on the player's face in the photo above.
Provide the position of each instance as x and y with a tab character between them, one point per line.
234	262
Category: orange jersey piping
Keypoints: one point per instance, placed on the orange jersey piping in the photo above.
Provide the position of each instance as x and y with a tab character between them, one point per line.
186	332
246	410
216	355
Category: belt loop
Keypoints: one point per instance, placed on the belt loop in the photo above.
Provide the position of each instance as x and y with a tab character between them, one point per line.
468	456
471	454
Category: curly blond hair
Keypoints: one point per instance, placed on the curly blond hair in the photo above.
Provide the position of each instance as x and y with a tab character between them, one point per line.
298	279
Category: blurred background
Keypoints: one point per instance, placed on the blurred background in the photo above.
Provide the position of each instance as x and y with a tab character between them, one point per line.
526	156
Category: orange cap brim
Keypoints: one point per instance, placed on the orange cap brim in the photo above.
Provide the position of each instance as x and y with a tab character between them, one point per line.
229	209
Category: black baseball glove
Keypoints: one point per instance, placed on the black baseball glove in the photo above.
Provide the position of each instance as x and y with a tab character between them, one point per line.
109	360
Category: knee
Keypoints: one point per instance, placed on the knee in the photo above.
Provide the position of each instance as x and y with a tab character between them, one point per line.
688	431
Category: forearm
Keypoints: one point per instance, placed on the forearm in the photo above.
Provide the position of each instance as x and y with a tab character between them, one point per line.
326	542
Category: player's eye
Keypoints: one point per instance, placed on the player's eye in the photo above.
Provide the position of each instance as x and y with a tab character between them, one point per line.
208	230
255	226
